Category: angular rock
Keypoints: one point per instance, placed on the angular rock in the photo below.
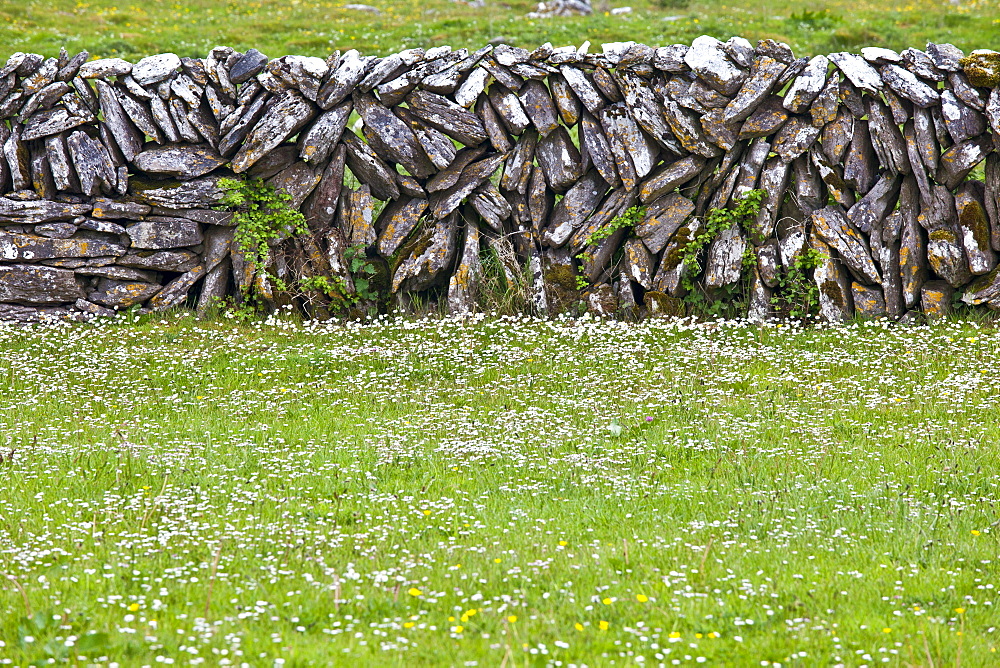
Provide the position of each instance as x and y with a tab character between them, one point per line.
960	159
55	230
686	127
824	107
774	182
559	160
180	161
807	85
982	67
836	136
762	79
644	152
475	83
105	67
120	273
872	209
765	120
566	101
463	286
707	58
321	207
795	138
289	113
669	177
449	177
39	211
153	69
495	128
724	264
935	299
869	302
858	71
370	169
248	66
398	219
961	121
573	209
427	256
348	73
662	219
357	217
33	284
126	135
448	117
906	84
833	226
174	261
392	138
508	108
438	147
584	89
200	193
443	203
860	164
121	294
50	122
719	132
835	296
25	247
539	107
598	149
974	228
491	205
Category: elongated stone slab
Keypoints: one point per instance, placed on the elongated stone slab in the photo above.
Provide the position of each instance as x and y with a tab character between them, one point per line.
318	141
795	138
708	59
491	205
443	203
427	256
349	72
539	107
566	100
448	117
288	114
584	89
30	248
833	226
440	150
960	159
669	177
686	127
766	120
201	193
962	121
763	77
559	160
33	284
126	135
183	162
571	211
643	151
369	168
599	150
974	228
662	219
391	138
495	128
871	210
807	86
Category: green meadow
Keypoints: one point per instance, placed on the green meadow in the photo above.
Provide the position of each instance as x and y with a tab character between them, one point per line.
191	28
498	492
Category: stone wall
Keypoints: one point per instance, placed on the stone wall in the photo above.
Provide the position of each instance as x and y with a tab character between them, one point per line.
110	172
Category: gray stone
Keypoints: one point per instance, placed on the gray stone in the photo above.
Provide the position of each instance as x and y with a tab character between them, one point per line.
427	256
584	89
766	120
33	284
669	177
397	221
807	86
935	299
597	148
126	135
663	217
153	69
973	227
164	233
55	230
573	209
962	121
448	117
887	140
833	226
872	209
641	148
105	67
297	180
762	79
443	203
92	309
249	65
960	159
200	193
463	286
174	261
122	294
176	291
39	211
288	114
687	128
181	161
26	247
905	84
559	160
120	273
369	168
392	138
795	138
858	71
707	58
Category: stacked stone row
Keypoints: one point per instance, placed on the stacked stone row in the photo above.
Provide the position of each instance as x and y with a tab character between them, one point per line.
110	173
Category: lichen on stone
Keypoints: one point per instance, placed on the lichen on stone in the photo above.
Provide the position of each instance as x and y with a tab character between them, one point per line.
982	67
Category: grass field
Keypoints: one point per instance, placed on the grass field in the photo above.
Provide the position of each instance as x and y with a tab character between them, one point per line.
499	492
192	27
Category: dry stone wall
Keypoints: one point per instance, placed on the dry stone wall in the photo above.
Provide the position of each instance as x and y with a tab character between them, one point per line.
110	173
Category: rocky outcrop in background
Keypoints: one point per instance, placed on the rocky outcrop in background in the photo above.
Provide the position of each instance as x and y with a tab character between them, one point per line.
110	173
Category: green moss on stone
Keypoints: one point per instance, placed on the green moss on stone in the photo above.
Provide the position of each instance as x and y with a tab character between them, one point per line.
983	68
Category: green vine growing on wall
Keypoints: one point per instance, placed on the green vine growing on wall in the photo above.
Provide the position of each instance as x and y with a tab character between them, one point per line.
262	214
627	219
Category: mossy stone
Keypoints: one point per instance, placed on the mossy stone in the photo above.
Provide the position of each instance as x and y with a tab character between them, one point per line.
983	68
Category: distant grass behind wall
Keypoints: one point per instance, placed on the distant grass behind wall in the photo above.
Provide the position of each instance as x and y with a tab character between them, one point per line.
136	29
